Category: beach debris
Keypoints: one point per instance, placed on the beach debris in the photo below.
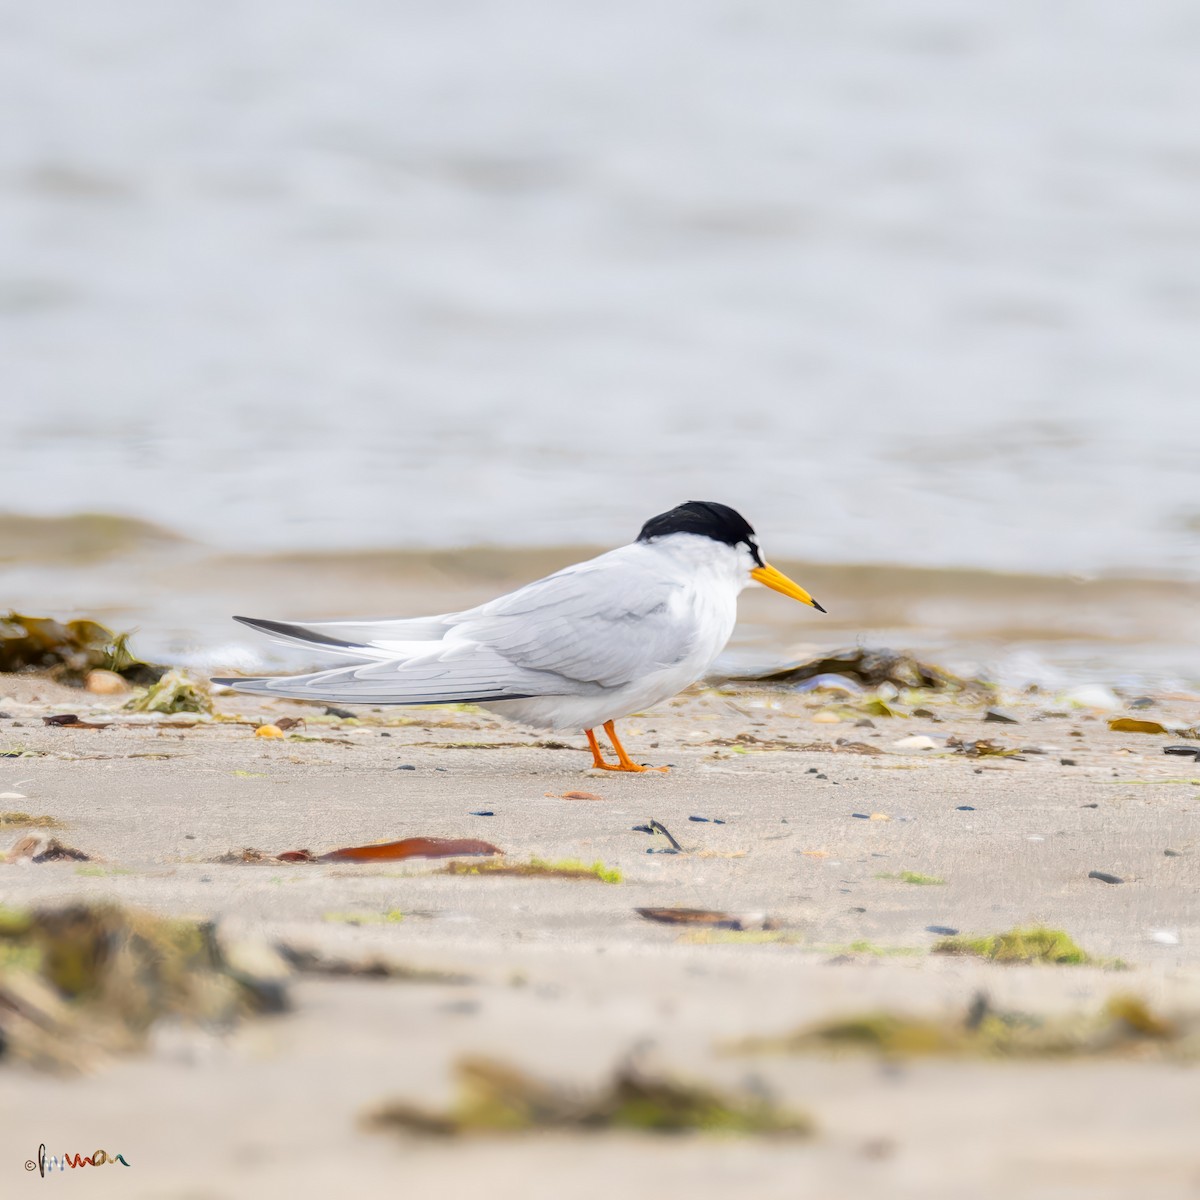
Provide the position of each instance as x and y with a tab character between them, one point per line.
413	847
1183	751
71	721
997	717
1165	937
1173	853
538	868
68	652
918	741
711	820
826	718
80	982
105	683
709	918
391	917
870	668
482	812
652	827
1068	762
286	723
41	849
28	820
1095	696
306	961
1105	877
983	748
1036	944
268	731
175	692
344	713
1124	1025
1136	725
573	796
913	877
943	930
495	1097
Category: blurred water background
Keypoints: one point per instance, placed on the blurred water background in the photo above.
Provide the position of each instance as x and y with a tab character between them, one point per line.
314	286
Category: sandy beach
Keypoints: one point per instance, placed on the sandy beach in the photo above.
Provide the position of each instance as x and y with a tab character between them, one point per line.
564	979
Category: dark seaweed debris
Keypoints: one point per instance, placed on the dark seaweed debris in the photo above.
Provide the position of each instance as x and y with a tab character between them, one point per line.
69	651
871	668
495	1098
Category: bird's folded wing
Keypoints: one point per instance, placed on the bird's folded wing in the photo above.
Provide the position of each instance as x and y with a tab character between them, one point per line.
475	678
604	623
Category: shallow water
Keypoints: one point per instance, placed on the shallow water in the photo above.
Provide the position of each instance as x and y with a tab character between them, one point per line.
913	285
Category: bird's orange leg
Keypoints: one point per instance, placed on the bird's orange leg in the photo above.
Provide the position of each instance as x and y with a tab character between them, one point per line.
598	762
624	762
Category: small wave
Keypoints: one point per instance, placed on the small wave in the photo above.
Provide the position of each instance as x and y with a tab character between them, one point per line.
78	537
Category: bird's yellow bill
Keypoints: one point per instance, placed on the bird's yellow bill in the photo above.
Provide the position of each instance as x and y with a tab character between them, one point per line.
777	581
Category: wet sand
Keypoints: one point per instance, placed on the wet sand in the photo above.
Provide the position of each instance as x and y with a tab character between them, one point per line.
566	979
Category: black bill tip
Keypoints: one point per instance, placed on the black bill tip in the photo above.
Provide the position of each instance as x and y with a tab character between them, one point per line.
817	607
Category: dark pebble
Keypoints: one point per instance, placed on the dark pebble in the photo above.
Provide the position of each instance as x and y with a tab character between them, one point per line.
1067	762
997	717
714	820
856	909
189	837
344	713
965	808
1105	877
1089	806
1173	853
820	776
406	767
5	716
811	771
385	735
1183	751
944	930
865	723
862	816
484	812
1142	702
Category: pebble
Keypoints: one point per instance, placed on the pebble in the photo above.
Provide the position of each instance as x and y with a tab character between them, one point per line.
1105	877
1067	762
105	683
1142	702
944	930
917	741
1173	853
1094	695
997	717
406	767
483	812
714	820
1165	937
821	776
826	718
965	808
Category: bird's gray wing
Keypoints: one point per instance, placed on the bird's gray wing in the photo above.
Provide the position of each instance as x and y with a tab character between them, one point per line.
604	622
355	639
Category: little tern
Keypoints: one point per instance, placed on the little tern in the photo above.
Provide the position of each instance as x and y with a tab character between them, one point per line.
576	650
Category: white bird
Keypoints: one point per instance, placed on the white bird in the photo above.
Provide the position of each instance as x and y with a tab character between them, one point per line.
576	650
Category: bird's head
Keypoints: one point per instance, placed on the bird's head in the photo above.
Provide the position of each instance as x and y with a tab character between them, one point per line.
726	527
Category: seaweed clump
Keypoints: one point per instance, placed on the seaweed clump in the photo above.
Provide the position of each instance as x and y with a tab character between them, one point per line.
1034	945
1124	1025
538	868
495	1098
69	651
83	981
175	692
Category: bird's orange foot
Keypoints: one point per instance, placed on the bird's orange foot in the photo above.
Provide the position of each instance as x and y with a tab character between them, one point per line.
623	763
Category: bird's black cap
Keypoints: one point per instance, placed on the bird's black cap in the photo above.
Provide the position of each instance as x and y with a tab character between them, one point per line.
707	518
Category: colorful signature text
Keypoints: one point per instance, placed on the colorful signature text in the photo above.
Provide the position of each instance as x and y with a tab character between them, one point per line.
49	1162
